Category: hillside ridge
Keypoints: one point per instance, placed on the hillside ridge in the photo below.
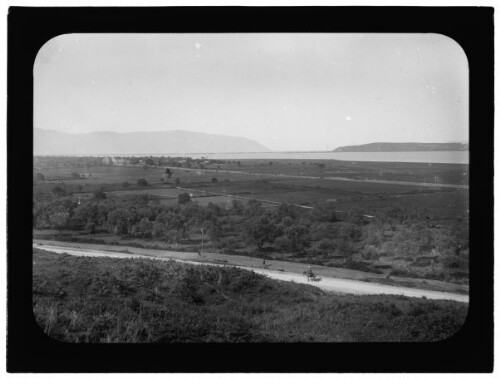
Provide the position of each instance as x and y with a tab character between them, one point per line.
51	142
404	146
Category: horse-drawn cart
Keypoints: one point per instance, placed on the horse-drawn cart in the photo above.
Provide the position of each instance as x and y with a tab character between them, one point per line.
311	276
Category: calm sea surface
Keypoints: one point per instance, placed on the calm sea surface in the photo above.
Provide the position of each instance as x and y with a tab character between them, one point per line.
458	157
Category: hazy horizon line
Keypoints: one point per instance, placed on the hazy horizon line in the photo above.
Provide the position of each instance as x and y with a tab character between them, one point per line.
251	139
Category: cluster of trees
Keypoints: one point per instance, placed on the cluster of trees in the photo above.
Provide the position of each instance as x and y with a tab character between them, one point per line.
42	162
187	162
284	228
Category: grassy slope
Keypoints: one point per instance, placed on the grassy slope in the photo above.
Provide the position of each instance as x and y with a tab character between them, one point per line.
80	299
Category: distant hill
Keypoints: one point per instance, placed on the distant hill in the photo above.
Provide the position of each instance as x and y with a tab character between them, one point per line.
50	142
404	146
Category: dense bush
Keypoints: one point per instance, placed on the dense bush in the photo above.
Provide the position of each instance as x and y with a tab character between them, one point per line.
142	182
283	244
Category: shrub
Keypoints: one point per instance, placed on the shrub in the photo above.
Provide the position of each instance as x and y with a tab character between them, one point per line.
99	194
327	245
58	191
142	182
283	243
184	198
228	243
59	220
370	252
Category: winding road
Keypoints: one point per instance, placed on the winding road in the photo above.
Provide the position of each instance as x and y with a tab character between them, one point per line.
331	284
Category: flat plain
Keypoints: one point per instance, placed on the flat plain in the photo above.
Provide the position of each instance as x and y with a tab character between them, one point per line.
391	223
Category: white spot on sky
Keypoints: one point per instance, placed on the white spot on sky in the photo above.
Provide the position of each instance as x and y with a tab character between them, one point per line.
198	47
348	118
93	82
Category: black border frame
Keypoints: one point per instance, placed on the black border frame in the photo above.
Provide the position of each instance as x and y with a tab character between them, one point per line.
29	350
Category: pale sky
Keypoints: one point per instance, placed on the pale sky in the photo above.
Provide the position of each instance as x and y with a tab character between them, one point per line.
286	91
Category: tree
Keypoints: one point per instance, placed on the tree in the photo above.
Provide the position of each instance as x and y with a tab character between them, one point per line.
283	243
144	227
214	231
287	221
58	191
75	175
286	210
99	194
125	184
327	245
214	180
150	162
173	236
40	177
88	211
119	220
177	181
142	182
59	220
158	230
299	235
253	208
325	213
90	227
184	198
261	231
238	207
168	172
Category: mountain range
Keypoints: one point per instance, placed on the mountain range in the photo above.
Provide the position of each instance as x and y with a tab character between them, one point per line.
404	146
51	142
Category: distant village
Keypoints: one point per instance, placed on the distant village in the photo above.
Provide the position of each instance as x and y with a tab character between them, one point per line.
82	162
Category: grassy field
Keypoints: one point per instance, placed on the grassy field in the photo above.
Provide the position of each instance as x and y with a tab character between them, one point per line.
78	299
365	196
400	171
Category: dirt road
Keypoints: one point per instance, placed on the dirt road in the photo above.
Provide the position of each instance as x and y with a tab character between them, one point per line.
338	285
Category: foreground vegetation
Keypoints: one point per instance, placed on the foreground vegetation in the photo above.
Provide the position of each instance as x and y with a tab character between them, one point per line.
77	299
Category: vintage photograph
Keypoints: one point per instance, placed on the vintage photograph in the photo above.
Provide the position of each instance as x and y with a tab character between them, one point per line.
250	187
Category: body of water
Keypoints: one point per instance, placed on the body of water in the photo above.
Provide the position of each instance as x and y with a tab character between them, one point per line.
453	157
456	157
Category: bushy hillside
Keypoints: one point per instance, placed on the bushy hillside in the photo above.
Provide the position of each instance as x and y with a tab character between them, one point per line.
79	299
